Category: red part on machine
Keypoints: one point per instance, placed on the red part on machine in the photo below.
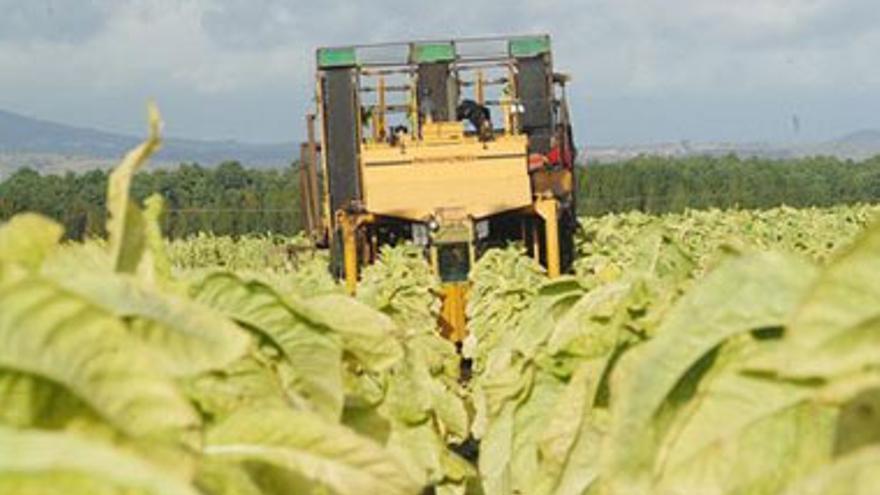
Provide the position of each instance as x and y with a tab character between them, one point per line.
537	161
556	157
562	155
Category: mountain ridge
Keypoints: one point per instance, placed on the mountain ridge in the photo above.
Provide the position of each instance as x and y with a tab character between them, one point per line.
38	139
52	147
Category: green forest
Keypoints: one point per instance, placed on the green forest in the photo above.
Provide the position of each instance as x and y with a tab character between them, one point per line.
228	199
231	199
671	185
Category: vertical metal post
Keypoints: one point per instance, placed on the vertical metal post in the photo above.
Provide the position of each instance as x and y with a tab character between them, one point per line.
512	112
479	91
348	224
305	196
413	113
453	319
380	111
548	209
310	181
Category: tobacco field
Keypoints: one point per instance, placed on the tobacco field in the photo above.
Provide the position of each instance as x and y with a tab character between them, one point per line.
705	352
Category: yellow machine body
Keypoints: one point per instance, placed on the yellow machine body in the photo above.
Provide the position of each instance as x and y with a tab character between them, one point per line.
446	177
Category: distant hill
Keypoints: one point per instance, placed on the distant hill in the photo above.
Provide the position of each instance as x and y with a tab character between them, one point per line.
54	147
859	145
869	137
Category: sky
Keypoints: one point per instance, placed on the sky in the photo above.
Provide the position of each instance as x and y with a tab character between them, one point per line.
642	71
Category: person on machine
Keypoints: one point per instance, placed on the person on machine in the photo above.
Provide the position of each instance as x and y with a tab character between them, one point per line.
478	115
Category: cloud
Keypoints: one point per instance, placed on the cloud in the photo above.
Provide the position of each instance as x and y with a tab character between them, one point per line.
245	24
95	61
59	21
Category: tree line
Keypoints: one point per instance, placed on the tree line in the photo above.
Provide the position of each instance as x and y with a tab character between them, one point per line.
227	200
233	200
670	185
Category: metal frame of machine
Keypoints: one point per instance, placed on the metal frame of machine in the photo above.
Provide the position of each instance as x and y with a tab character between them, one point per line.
455	145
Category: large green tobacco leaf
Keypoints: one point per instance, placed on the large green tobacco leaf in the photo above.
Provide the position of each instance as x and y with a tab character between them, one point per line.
450	410
414	392
216	477
328	454
506	382
771	434
585	331
552	302
750	292
513	371
858	423
33	462
509	448
126	225
425	412
834	332
855	474
496	448
55	335
505	283
402	285
569	443
731	399
529	422
844	295
425	455
32	402
187	337
314	354
842	355
366	333
158	265
253	381
28	238
657	254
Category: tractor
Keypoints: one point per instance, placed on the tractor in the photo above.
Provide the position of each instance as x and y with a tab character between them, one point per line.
456	146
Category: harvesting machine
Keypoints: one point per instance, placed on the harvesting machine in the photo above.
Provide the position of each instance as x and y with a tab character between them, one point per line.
454	145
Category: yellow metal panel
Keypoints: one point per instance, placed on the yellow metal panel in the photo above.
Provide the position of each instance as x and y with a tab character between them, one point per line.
557	182
349	250
442	133
548	209
415	180
416	192
453	322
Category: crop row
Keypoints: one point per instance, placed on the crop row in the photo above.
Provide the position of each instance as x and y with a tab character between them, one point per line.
708	352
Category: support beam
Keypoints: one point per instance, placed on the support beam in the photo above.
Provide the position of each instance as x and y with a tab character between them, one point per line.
313	221
307	218
348	224
453	321
341	119
548	209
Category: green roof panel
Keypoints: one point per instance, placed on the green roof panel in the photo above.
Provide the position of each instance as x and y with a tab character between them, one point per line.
529	47
425	53
337	57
